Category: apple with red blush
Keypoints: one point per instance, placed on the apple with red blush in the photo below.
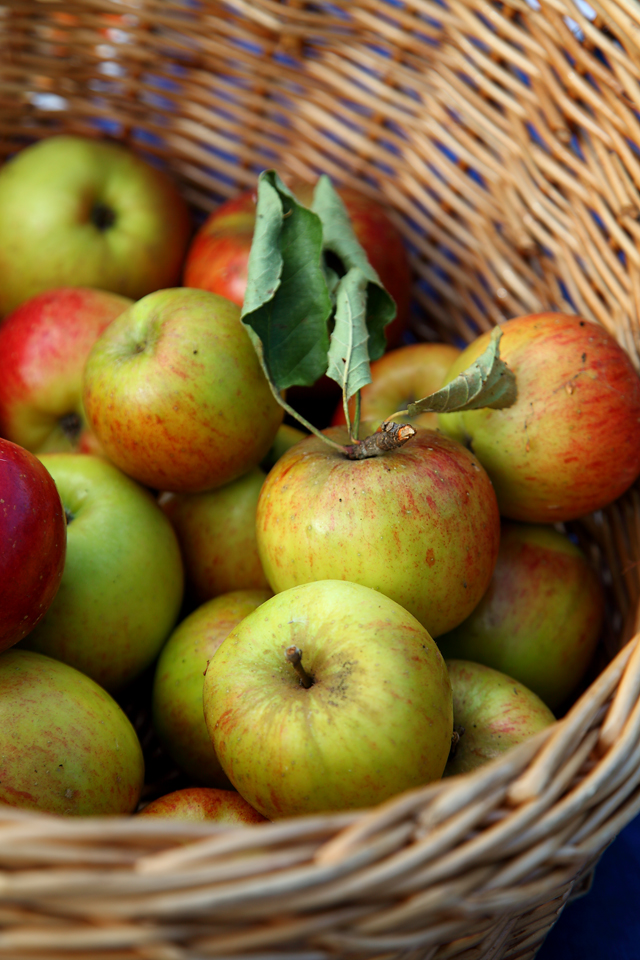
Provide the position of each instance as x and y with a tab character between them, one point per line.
44	345
491	714
570	443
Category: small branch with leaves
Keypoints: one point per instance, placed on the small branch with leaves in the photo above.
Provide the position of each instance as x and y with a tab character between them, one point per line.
315	305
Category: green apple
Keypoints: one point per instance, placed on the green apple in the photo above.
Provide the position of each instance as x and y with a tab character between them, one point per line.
83	212
540	619
372	718
122	585
66	747
204	803
491	713
217	534
176	395
178	716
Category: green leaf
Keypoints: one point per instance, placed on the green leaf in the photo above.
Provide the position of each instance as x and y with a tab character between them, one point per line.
348	354
339	238
287	305
488	382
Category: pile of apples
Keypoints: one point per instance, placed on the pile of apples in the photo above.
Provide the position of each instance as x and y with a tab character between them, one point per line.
329	621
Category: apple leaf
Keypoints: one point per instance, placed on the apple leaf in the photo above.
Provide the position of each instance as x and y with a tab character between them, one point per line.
348	354
287	305
488	382
339	239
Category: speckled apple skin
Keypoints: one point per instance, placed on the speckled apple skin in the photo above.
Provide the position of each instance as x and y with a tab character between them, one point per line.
33	542
178	715
541	617
570	443
419	524
376	721
217	534
204	803
176	395
496	712
66	747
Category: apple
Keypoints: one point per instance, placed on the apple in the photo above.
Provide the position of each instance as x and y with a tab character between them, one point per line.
491	713
419	523
373	719
176	395
122	585
570	444
400	377
217	535
178	717
218	256
66	747
44	345
541	617
33	542
91	213
204	803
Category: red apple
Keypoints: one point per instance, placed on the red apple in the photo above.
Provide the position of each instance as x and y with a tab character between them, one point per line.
570	443
175	392
400	377
33	542
218	257
419	523
88	212
204	803
44	345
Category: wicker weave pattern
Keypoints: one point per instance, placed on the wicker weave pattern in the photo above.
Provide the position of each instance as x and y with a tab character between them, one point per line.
502	137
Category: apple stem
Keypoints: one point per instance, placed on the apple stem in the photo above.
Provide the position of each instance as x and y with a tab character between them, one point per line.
389	436
293	655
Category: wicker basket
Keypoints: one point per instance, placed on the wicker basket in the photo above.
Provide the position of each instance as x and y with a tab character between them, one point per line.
501	134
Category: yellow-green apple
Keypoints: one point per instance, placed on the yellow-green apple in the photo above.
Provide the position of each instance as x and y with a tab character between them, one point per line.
33	542
217	535
541	617
400	377
369	716
122	585
419	523
491	713
66	747
44	345
177	708
91	213
204	803
218	256
570	443
175	392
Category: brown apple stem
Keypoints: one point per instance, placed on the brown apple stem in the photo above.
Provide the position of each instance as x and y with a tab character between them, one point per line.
389	436
293	655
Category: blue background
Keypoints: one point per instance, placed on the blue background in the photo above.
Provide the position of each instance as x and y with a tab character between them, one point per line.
604	924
